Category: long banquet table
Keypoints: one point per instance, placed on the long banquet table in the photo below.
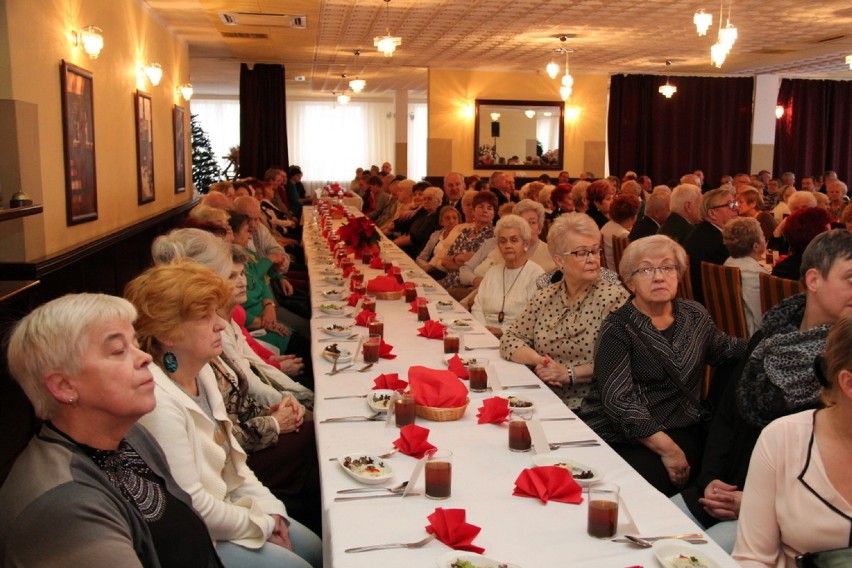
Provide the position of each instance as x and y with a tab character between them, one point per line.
518	530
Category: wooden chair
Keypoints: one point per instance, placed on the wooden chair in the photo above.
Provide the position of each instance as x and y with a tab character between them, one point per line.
684	288
774	289
603	256
723	296
618	246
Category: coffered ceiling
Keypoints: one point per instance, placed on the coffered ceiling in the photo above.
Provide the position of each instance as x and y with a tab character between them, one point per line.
317	39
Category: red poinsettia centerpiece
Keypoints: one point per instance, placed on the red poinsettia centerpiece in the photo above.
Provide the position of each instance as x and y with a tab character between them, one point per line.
335	190
360	234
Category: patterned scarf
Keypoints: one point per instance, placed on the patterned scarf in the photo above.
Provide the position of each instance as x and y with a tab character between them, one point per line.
130	475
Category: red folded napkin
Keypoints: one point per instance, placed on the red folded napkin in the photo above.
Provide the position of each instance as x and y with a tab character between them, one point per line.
377	262
494	410
432	329
384	284
363	317
450	527
413	308
390	381
412	441
548	483
456	365
354	297
348	270
385	350
441	389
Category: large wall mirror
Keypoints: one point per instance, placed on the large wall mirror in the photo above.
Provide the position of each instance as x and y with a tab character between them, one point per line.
521	135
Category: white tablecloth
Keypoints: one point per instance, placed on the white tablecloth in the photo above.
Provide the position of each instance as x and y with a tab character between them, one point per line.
514	529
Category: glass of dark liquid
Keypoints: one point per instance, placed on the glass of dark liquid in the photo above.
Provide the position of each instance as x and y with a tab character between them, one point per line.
405	410
410	292
371	348
423	309
376	325
439	474
519	435
396	272
603	510
452	341
477	374
367	257
369	304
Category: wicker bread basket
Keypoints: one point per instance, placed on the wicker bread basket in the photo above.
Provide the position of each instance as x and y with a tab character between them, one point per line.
436	414
387	295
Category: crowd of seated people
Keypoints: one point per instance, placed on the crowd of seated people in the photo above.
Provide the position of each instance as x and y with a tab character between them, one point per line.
223	322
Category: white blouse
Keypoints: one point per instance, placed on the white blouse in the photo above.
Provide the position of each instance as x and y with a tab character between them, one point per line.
517	285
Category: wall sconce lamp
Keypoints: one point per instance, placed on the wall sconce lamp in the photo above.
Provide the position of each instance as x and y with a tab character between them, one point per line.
91	39
185	91
153	72
495	116
779	112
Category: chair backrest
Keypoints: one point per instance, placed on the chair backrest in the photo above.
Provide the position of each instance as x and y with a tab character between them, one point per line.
603	256
684	288
723	297
774	289
618	246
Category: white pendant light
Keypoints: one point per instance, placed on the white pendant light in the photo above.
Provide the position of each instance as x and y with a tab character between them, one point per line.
387	43
552	69
718	53
702	21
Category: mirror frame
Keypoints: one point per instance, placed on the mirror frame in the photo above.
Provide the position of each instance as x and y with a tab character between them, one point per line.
522	105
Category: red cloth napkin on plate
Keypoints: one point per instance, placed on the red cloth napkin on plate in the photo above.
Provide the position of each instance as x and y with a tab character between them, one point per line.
494	410
353	298
441	389
384	284
548	483
412	441
385	350
390	381
432	329
377	262
451	528
363	317
456	365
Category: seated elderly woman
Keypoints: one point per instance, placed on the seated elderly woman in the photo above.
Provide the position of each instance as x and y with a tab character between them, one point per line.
799	229
507	287
746	243
622	217
561	200
414	232
797	495
645	399
92	488
556	332
469	240
180	327
599	195
435	249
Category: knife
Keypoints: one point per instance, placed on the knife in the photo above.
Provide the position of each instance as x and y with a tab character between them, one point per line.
372	496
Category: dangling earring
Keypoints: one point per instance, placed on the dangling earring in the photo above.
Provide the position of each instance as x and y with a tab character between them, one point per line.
170	361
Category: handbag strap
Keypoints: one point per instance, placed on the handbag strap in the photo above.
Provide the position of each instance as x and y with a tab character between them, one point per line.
670	374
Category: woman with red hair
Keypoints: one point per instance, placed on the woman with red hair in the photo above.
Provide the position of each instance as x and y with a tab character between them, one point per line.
799	230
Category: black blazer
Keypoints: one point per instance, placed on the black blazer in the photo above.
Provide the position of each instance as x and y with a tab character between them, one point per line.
643	228
704	244
676	227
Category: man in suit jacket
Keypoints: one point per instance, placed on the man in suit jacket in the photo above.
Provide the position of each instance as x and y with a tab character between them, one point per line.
453	191
705	243
656	213
685	213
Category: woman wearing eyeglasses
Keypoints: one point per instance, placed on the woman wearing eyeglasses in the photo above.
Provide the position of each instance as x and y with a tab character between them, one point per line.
645	400
556	332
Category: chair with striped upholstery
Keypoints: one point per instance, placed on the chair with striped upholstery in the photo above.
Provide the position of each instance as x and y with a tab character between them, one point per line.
774	289
618	246
684	286
603	257
723	297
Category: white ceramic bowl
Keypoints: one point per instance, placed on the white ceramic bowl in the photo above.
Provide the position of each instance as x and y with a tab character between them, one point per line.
355	467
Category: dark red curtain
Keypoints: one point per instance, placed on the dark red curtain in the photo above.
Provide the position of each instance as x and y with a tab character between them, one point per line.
263	122
706	125
815	133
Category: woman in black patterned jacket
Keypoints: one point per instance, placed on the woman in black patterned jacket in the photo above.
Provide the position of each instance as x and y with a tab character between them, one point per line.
649	366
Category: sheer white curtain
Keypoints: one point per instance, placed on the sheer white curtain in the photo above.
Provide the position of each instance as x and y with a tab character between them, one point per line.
417	135
220	119
329	141
547	132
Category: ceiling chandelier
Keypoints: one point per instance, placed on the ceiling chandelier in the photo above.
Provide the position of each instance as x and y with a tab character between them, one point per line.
668	89
725	39
387	43
357	85
342	98
702	21
567	80
849	61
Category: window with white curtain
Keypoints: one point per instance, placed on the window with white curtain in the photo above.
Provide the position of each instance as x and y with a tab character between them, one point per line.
418	129
220	119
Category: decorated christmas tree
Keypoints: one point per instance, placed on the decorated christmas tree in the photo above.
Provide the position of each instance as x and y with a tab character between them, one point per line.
205	169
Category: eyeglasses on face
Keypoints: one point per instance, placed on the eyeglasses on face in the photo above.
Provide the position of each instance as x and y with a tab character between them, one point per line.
582	253
732	205
651	271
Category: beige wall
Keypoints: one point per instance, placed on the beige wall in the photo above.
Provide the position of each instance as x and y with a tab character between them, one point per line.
451	98
34	41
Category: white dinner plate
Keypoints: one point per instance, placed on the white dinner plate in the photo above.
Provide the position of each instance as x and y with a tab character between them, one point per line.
335	309
379	399
517	401
444	305
466	361
357	464
338	330
479	561
668	551
431	288
334	294
334	280
459	325
345	355
330	272
574	467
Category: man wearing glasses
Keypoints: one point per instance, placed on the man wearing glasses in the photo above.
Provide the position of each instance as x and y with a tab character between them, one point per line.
705	242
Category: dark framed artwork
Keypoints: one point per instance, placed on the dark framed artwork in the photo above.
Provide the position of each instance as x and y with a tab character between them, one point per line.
78	140
144	147
179	120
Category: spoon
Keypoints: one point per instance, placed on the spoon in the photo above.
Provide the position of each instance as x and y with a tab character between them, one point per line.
398	489
641	542
383	456
366	368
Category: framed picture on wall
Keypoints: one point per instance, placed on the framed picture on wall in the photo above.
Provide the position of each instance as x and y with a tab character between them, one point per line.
144	147
179	120
78	140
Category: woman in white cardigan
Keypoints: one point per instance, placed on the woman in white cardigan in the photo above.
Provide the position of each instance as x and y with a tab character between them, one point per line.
507	287
179	326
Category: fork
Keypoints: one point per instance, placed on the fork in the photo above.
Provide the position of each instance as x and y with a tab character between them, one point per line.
373	418
418	544
574	444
